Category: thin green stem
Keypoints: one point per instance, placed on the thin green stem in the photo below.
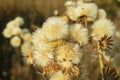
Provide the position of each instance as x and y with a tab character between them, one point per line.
100	59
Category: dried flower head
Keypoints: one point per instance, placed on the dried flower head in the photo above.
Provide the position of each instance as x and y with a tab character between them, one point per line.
101	14
50	69
15	41
7	33
102	27
29	57
70	13
25	48
12	24
68	53
27	37
17	31
39	37
78	33
109	73
105	43
86	10
19	20
55	28
43	54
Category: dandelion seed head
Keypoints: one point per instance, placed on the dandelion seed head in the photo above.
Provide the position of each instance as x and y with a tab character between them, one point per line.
12	24
102	27
29	57
42	55
7	33
87	9
25	48
17	31
15	41
27	37
70	13
24	31
55	28
67	54
101	14
79	33
38	37
19	20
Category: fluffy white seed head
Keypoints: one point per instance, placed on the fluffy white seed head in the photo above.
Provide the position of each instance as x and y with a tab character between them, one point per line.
19	20
87	9
25	48
55	28
102	27
55	12
79	33
27	52
16	31
70	13
28	57
39	37
15	41
101	14
7	33
42	54
68	54
12	24
27	37
24	31
59	75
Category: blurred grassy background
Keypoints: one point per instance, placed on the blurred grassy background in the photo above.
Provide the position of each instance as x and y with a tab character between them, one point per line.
35	12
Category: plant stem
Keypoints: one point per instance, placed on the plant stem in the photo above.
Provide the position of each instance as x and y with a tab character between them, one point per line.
100	59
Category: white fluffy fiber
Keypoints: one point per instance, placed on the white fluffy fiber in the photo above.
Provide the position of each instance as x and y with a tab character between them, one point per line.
79	33
16	31
7	33
38	37
101	14
42	54
25	48
55	28
86	9
69	52
15	41
27	37
19	20
102	27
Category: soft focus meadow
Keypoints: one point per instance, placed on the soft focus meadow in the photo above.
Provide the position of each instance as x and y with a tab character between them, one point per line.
60	39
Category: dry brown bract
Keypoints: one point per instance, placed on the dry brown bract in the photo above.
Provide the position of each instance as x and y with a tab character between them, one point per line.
105	43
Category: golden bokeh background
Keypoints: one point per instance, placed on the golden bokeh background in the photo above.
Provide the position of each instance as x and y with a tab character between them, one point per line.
34	12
